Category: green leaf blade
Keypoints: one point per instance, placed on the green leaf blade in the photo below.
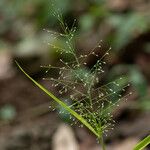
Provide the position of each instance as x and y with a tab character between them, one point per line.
142	144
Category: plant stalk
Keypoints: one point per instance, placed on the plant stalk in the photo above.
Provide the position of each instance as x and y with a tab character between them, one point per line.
101	141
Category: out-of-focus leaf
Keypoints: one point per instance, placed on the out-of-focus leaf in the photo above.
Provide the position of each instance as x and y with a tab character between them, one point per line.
96	12
7	112
28	47
99	11
114	73
117	71
86	22
128	27
116	20
32	45
63	113
63	6
138	81
135	76
144	103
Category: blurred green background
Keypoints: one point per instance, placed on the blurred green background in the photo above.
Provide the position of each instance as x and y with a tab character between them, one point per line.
122	24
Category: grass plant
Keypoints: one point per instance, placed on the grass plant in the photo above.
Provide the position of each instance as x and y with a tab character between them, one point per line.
90	104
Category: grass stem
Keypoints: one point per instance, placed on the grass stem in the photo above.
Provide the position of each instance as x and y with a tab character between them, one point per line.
101	141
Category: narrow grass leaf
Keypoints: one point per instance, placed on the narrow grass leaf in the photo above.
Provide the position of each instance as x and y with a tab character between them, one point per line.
142	144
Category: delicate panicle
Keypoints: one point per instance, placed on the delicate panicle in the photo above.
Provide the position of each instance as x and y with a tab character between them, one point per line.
93	104
78	83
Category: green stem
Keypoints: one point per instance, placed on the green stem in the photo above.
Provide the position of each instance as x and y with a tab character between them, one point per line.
101	140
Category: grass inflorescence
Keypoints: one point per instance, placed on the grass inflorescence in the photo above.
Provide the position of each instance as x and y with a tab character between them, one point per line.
90	102
78	83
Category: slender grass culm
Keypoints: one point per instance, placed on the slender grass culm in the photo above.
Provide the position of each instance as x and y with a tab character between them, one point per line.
87	103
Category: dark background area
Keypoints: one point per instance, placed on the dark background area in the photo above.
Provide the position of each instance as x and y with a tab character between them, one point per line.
25	119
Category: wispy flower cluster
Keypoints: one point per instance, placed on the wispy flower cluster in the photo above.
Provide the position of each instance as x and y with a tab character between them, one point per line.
79	83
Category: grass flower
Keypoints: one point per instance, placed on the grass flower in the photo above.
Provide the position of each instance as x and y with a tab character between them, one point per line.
90	105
